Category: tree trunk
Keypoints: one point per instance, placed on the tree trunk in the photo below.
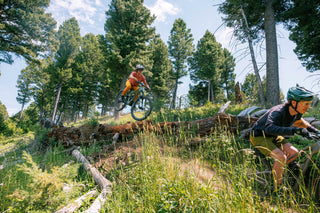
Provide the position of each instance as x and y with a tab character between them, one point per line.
104	183
56	104
21	112
76	204
273	90
209	85
123	83
254	62
174	95
212	93
85	110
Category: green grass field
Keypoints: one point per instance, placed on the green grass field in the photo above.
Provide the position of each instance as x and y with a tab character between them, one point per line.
161	173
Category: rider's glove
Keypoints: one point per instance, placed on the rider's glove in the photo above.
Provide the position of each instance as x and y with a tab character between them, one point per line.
302	131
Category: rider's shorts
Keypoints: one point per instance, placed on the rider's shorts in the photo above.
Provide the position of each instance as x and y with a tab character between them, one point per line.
267	144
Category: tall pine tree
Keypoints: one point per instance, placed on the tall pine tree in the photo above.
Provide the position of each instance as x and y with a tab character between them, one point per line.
161	73
261	18
207	63
24	88
180	49
26	29
227	74
303	20
88	73
128	30
69	44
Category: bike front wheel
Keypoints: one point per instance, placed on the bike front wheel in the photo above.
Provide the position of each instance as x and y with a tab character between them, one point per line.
119	104
141	108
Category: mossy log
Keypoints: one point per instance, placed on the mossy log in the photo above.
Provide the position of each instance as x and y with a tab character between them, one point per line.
69	136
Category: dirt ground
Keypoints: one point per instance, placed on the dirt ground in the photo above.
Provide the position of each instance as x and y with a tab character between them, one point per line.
122	153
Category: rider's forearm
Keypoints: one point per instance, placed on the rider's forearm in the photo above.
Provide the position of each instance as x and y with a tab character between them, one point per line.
301	123
134	78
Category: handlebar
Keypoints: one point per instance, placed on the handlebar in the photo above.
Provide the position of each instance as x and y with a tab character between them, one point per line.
142	84
313	137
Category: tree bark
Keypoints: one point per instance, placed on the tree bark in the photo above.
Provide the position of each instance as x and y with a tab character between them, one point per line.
209	85
21	112
98	178
174	95
77	203
56	104
117	113
253	59
212	93
273	90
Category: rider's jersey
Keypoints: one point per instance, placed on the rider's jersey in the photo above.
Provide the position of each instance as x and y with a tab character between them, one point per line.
276	121
140	78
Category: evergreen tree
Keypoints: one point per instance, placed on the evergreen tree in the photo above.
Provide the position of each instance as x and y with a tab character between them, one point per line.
180	49
3	117
303	20
26	30
105	93
198	93
250	88
261	20
42	87
69	44
87	73
161	73
227	75
128	29
24	88
207	63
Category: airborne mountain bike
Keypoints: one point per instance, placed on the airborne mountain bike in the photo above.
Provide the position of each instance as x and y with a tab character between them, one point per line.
141	104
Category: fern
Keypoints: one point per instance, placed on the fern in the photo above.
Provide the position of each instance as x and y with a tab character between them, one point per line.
44	189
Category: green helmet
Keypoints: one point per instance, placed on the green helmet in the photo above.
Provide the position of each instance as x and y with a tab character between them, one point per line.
300	94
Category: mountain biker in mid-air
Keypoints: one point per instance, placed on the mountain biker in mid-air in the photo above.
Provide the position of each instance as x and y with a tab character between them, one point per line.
134	78
267	133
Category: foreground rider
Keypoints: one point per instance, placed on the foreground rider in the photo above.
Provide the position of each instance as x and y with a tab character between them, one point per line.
134	78
267	133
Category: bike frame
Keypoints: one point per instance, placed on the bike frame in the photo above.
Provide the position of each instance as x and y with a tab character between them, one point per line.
139	92
309	151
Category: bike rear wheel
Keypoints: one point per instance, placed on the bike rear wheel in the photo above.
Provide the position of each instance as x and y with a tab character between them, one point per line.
119	104
141	108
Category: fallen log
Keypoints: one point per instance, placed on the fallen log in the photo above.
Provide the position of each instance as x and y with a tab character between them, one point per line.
69	136
77	203
104	183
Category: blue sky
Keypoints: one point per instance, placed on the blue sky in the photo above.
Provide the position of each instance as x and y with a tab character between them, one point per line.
199	15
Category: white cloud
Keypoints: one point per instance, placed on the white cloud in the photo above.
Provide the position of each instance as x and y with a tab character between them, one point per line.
224	36
82	10
162	8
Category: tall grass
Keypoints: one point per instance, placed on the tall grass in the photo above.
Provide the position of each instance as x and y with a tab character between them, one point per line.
196	113
159	180
163	173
